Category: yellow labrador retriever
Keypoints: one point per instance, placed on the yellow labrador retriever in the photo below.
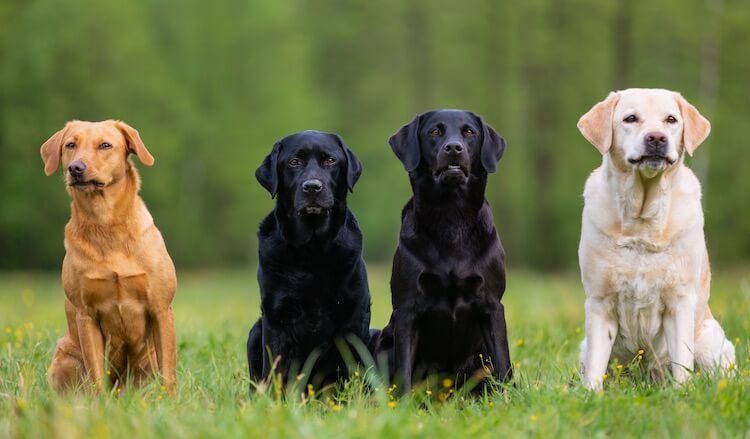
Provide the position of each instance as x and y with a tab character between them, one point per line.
118	278
643	257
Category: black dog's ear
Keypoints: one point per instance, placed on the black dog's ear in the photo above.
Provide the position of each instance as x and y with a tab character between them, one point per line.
353	166
405	144
493	146
267	173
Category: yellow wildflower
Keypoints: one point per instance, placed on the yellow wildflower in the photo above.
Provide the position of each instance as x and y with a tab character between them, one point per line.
723	384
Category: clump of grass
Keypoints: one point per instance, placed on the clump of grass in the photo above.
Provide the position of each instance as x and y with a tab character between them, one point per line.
213	397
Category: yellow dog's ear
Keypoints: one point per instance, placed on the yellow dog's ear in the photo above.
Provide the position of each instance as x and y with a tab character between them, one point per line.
51	151
596	125
135	144
695	127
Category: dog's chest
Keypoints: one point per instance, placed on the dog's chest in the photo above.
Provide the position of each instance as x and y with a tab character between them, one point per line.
117	293
641	283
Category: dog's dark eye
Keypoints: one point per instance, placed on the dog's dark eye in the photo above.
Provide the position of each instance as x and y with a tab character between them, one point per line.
105	145
329	161
630	119
293	163
469	132
70	145
434	132
671	119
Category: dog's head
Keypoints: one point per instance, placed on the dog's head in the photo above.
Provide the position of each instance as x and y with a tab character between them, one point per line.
93	154
450	145
646	130
310	171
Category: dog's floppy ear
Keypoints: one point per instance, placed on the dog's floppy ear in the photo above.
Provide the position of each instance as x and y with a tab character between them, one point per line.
51	151
135	144
268	173
695	127
493	146
596	125
405	144
353	165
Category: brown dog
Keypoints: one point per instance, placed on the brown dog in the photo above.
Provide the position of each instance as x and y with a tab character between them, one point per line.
118	278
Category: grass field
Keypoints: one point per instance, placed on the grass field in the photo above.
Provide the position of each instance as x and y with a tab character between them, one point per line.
214	310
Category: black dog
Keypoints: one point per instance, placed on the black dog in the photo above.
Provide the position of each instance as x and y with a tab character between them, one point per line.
448	272
313	282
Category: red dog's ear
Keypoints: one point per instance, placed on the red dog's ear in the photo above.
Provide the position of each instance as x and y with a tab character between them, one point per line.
695	127
596	125
51	151
135	144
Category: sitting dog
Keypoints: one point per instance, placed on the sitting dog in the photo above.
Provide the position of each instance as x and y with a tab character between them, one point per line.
448	271
313	281
118	278
643	257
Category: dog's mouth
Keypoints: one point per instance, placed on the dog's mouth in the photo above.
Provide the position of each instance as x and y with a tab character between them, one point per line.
452	171
314	210
87	184
651	160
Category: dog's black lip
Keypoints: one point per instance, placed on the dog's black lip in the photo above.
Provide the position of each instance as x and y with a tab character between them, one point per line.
643	158
452	167
81	183
314	209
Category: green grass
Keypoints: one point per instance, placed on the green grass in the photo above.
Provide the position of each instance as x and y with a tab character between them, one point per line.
214	310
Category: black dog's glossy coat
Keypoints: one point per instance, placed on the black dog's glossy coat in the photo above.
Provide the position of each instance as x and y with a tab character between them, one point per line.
313	281
448	271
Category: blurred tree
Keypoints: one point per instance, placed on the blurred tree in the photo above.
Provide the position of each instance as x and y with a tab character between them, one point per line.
212	86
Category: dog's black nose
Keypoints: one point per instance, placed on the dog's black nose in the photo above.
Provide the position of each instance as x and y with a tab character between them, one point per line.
453	148
76	168
655	139
313	185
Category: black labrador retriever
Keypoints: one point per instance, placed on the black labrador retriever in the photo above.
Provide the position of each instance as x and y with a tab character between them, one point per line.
313	281
448	272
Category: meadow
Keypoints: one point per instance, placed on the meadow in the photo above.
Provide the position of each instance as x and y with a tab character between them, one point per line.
214	310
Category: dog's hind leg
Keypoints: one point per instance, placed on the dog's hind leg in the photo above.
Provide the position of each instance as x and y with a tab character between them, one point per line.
712	348
255	351
66	371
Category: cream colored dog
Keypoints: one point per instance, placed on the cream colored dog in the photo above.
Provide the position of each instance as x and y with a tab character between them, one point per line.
643	257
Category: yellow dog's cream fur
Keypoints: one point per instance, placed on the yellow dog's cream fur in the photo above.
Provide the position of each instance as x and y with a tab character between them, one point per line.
643	257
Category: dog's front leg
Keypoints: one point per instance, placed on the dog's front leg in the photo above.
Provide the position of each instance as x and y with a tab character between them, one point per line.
679	331
405	340
166	347
496	340
601	331
92	348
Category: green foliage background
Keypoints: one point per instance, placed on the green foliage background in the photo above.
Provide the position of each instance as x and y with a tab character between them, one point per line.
211	86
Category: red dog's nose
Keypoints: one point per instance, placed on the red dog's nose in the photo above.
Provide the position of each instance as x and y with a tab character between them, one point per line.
77	167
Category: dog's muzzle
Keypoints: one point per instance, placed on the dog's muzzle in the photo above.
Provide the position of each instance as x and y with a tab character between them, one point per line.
452	164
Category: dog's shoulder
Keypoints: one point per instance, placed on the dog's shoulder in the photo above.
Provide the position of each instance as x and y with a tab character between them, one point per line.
688	184
595	183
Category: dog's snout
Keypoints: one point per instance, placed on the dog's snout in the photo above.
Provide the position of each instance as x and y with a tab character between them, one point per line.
655	139
77	168
313	185
453	148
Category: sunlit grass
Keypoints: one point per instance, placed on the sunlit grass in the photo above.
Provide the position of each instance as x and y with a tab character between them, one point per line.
214	311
